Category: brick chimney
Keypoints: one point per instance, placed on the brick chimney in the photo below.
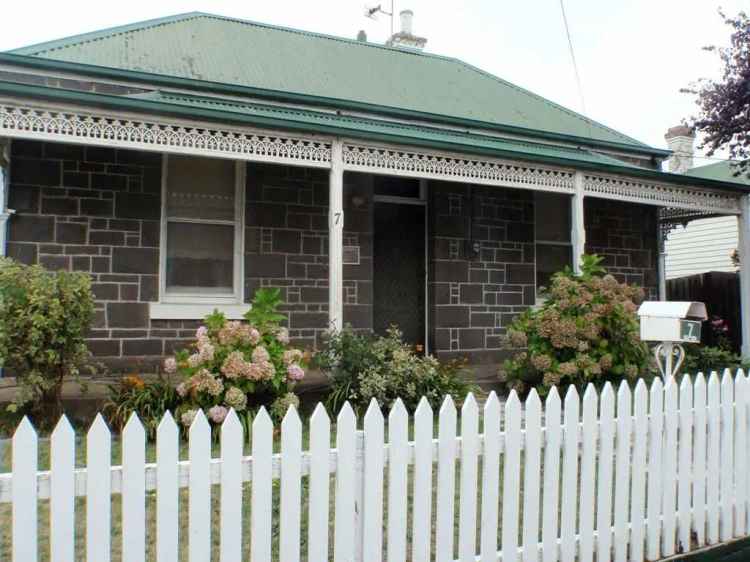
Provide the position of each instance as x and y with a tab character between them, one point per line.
680	140
406	38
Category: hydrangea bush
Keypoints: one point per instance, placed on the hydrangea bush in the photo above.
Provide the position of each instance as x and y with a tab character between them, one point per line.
586	331
240	365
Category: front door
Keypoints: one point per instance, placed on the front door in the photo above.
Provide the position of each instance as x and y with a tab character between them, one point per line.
399	270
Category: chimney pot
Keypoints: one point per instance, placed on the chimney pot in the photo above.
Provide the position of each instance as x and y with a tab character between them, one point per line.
362	36
407	19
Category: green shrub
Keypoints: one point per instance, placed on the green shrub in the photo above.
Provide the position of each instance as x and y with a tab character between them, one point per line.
149	400
43	319
361	367
704	359
238	365
586	331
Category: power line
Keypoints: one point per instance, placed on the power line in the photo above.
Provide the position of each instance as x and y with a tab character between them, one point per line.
573	57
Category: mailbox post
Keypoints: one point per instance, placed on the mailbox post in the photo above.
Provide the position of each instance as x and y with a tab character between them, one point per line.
671	323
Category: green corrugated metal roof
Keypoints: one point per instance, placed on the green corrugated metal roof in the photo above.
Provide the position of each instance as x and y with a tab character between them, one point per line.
384	129
236	52
720	171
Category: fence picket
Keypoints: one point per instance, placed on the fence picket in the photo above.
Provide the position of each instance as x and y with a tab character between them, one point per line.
655	430
638	494
622	472
372	512
232	441
588	476
467	509
511	477
532	468
346	466
727	495
699	459
62	492
98	491
490	479
667	475
24	462
398	457
422	491
199	498
604	480
261	499
167	490
446	481
740	452
669	468
133	490
713	463
551	497
319	492
291	486
685	465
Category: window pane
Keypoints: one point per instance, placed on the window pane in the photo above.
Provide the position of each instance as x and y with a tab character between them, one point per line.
200	188
396	187
549	260
200	258
552	217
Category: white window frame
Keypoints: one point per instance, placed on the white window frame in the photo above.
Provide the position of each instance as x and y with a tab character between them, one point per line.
205	299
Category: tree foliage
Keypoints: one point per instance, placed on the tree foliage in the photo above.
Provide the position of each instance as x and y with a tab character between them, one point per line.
724	104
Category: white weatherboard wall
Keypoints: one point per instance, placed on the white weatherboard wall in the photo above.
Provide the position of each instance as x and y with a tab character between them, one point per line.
703	245
628	474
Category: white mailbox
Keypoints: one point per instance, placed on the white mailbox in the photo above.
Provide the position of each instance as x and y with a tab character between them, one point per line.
665	321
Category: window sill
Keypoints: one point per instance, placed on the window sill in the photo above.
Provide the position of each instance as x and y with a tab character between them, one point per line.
193	311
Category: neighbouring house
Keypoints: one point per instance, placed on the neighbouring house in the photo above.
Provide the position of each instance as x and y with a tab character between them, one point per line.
702	244
186	161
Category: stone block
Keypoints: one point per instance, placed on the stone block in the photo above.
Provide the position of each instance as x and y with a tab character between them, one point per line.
451	271
142	347
59	206
55	263
127	315
23	198
286	241
35	172
314	294
521	274
150	233
266	265
104	348
107	237
96	207
137	206
31	228
70	233
472	338
105	291
483	320
135	260
358	316
302	320
452	316
24	253
149	288
471	294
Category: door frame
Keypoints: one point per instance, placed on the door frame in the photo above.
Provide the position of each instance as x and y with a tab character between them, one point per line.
422	202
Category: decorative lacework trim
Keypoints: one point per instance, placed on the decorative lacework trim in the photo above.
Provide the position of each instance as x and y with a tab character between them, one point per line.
636	191
449	167
81	127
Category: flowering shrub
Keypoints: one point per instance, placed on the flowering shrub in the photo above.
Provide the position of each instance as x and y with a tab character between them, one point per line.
149	400
586	331
238	365
363	366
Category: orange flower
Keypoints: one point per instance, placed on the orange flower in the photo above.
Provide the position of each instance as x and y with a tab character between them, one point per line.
133	381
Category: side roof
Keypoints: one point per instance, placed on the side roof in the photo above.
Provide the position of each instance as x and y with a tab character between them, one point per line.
720	171
242	53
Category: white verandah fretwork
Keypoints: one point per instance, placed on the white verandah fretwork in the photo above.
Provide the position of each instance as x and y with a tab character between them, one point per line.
98	127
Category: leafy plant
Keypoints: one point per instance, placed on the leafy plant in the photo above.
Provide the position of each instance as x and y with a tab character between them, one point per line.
238	365
586	331
44	317
150	401
364	366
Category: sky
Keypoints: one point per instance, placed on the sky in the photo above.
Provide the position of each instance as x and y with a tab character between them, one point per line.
633	56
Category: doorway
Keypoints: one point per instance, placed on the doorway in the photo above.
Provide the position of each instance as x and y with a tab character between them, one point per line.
399	264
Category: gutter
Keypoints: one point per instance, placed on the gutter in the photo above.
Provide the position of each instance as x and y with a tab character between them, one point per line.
106	101
160	80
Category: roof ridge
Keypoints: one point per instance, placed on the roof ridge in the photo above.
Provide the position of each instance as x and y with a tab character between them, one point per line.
549	102
90	36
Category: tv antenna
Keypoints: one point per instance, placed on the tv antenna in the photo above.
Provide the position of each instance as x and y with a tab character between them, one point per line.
372	11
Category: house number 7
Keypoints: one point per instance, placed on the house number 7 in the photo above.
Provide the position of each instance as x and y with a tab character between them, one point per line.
337	218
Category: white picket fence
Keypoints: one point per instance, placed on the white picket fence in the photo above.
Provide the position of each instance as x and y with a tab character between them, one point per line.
626	477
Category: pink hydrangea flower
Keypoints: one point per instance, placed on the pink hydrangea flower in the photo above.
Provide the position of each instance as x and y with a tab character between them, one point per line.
188	417
206	351
292	356
194	360
253	336
283	336
182	389
201	333
260	354
170	365
217	413
295	372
